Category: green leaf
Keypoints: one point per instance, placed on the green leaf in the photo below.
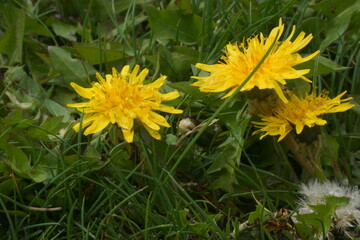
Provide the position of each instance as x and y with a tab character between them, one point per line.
304	231
50	126
57	110
37	175
230	150
338	25
7	186
330	154
92	54
15	119
334	202
182	215
17	74
65	30
174	24
224	180
228	154
260	213
331	8
72	69
320	66
319	220
11	42
20	164
9	14
186	88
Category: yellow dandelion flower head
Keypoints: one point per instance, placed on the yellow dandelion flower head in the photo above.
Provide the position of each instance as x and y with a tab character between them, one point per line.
301	112
241	59
121	98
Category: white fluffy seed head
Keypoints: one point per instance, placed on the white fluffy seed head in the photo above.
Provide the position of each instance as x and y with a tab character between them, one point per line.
314	193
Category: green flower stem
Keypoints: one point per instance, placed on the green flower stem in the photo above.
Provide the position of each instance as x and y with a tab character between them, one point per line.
307	156
293	146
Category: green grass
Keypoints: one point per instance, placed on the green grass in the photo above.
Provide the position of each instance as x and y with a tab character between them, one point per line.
58	184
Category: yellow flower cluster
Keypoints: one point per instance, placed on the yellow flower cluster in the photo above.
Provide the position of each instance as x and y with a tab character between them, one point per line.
241	59
122	98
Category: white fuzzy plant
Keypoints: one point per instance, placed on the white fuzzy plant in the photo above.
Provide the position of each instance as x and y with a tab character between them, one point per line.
327	206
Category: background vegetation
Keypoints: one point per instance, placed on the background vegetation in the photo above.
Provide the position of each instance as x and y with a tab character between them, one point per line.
216	184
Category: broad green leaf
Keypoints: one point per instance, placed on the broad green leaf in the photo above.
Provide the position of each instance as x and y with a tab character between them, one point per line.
228	154
200	228
319	220
90	151
16	119
330	154
224	179
57	110
320	66
7	186
65	30
338	25
32	27
182	215
20	164
39	70
260	213
50	126
37	175
331	8
15	102
186	88
174	63
72	69
230	150
11	43
335	202
174	24
119	157
92	54
9	14
182	62
17	74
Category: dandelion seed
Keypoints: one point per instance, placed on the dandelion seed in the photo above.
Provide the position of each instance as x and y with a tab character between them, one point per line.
241	59
346	216
121	98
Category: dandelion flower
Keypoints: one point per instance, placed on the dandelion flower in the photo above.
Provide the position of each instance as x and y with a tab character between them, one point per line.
121	98
299	113
315	193
241	59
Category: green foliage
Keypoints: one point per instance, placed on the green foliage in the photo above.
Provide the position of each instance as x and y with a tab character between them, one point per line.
174	24
318	223
72	70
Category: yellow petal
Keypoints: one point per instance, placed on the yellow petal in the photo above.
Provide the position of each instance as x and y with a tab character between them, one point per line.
155	134
169	96
168	109
158	83
142	76
84	92
97	125
128	135
158	119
